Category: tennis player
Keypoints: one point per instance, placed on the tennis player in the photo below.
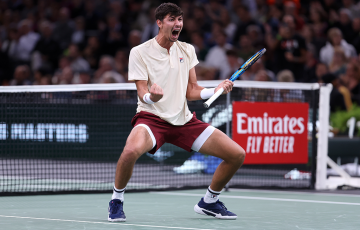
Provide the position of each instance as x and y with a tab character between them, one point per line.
165	78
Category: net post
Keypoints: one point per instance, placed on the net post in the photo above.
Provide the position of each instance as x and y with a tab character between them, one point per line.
313	140
228	96
322	147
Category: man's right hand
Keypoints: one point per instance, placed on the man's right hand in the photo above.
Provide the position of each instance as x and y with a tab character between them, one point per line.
156	93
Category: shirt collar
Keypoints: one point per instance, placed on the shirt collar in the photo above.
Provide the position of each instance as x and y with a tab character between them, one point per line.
162	49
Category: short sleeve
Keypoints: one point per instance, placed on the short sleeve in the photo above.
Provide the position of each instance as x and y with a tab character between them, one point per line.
137	67
193	58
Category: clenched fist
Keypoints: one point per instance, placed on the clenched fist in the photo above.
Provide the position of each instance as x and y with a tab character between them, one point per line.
227	85
156	93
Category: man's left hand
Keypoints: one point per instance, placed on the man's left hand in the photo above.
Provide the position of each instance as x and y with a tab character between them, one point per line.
227	85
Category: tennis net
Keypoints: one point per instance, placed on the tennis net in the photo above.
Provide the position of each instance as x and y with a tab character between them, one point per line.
65	139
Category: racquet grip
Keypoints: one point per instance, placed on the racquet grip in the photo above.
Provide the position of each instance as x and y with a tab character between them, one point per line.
213	98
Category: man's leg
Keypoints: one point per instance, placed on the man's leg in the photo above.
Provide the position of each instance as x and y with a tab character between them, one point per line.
220	145
233	155
139	142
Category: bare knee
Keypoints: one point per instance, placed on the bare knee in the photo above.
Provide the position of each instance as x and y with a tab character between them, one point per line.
241	156
238	157
129	155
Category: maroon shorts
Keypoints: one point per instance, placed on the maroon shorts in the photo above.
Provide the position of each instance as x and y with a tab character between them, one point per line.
182	136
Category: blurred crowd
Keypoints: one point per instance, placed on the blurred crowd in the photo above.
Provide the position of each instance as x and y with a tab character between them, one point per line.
47	42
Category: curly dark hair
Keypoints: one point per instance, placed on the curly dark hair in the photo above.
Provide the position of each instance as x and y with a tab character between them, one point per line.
167	8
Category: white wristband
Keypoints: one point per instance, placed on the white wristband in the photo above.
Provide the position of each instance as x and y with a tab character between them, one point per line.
207	93
147	99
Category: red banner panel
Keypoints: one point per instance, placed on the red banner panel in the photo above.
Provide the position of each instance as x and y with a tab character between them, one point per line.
271	133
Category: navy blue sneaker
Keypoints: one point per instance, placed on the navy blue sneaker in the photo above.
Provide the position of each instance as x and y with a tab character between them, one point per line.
116	213
217	210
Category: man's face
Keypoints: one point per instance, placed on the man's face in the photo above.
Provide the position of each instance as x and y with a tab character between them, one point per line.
171	27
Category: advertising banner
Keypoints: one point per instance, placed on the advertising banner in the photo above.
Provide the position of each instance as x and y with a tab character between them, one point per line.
271	133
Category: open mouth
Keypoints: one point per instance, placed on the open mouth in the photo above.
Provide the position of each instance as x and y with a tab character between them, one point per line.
175	33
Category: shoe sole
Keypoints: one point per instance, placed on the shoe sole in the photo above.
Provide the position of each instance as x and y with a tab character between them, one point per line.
116	220
205	212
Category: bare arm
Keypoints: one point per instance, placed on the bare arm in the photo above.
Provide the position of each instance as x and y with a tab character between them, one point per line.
155	91
193	89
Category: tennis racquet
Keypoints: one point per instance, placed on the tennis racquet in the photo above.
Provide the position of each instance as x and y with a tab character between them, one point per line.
235	76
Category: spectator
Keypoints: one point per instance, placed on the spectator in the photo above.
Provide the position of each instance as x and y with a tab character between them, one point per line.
21	76
101	27
337	99
310	67
111	77
85	77
64	29
78	63
345	24
245	20
274	18
47	50
262	75
331	5
246	48
66	76
28	8
27	41
356	37
78	35
307	34
291	9
5	66
93	52
335	39
351	80
352	7
234	61
46	80
107	70
197	40
229	26
77	8
338	63
41	73
134	39
287	95
122	62
213	10
91	16
6	24
201	19
151	28
290	49
217	55
189	28
255	35
320	70
82	77
115	35
210	38
9	49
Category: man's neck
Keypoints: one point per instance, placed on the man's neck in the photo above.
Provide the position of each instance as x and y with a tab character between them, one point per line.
163	41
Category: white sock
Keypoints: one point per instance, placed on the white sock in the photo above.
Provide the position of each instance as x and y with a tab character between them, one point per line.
118	194
211	196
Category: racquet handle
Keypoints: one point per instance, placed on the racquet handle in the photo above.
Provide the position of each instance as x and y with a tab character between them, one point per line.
213	98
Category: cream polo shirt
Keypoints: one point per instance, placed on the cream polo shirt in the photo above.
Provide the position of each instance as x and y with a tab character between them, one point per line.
151	62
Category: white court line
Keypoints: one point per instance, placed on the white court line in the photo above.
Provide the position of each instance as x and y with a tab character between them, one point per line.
92	222
258	198
293	192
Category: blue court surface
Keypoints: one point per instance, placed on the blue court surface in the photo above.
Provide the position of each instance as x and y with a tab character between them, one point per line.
256	209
